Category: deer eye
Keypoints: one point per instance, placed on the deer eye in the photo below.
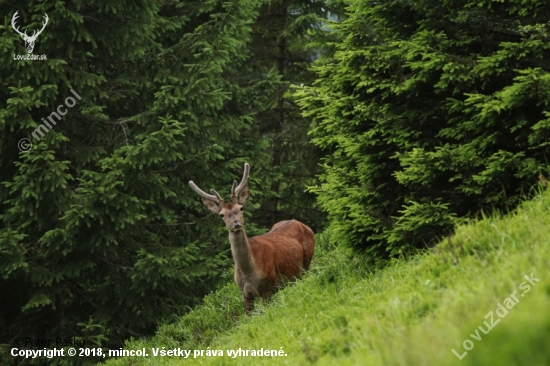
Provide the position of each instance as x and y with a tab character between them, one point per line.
221	215
242	208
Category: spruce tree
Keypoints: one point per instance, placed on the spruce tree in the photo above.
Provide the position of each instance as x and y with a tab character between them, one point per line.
101	237
430	112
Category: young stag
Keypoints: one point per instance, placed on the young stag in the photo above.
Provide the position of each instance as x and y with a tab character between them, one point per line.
265	262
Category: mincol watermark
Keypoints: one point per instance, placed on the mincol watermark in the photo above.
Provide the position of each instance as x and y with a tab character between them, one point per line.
501	311
29	40
43	128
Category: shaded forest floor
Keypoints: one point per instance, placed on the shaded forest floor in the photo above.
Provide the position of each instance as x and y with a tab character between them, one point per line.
469	291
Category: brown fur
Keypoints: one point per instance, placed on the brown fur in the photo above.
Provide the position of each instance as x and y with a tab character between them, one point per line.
279	256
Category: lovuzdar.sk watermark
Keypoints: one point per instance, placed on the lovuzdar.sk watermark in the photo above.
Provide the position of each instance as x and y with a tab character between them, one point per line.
500	311
29	40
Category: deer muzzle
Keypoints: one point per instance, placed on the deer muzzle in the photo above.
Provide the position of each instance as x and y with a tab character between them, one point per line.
237	225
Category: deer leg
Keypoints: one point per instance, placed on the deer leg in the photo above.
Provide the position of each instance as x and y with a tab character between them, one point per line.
248	304
266	296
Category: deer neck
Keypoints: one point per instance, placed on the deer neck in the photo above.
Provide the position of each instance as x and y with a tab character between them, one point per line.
242	253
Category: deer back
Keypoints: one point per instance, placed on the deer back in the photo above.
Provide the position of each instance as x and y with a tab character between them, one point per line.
284	251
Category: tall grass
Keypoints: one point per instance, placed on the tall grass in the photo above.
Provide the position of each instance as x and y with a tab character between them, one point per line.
411	312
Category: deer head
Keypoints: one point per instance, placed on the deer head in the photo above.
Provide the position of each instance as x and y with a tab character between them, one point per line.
29	40
232	212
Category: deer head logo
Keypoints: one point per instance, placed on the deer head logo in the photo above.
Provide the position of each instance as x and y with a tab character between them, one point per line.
29	40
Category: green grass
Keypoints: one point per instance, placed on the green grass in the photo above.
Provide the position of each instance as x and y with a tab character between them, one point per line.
411	312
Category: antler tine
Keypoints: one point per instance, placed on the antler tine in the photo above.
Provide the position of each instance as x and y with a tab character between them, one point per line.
233	188
203	193
217	195
235	192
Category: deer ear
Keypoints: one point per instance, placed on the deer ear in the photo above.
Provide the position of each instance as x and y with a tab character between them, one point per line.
243	195
212	206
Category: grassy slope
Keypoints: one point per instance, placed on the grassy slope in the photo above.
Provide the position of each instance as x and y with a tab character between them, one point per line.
412	312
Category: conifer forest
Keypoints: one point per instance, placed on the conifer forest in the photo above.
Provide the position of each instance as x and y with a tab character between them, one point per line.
382	125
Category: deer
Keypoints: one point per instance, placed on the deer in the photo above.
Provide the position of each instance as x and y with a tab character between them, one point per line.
29	40
265	263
